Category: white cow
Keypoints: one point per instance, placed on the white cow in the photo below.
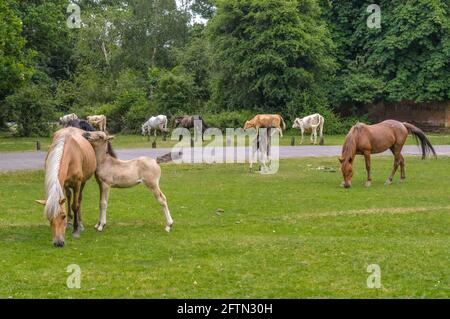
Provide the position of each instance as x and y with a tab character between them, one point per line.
155	123
311	122
67	118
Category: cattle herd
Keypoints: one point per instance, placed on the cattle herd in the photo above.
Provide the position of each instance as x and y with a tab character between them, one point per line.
82	148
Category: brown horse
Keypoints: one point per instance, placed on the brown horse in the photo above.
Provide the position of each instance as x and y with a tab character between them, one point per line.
188	121
365	139
69	164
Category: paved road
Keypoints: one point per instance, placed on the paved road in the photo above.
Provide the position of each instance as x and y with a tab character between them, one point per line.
17	161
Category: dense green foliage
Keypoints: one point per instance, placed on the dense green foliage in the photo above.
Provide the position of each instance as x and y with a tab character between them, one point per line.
136	58
408	58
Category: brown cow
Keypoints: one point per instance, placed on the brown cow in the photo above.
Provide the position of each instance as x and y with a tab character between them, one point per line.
266	120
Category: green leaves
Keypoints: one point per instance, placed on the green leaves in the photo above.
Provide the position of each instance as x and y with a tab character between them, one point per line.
264	52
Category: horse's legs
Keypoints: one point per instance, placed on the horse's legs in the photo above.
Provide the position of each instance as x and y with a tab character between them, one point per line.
397	160
80	197
104	195
154	187
303	131
402	168
76	210
369	175
69	208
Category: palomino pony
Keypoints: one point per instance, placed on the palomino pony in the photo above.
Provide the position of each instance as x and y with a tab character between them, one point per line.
69	164
371	139
310	123
112	172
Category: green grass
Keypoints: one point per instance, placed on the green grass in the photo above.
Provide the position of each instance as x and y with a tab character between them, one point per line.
20	144
294	234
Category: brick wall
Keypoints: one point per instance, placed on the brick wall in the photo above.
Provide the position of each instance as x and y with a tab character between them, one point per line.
431	116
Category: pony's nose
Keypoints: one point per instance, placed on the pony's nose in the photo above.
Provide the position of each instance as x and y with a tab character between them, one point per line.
59	243
347	185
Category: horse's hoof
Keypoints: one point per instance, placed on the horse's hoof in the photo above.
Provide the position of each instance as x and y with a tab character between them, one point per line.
81	227
368	184
388	182
76	234
402	180
168	228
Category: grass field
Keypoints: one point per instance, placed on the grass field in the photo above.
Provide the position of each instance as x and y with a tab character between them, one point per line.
10	144
295	234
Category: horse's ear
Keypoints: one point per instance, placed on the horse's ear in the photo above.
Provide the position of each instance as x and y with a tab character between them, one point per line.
341	160
110	137
41	201
350	160
62	201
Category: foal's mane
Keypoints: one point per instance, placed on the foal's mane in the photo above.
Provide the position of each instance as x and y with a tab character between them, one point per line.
110	150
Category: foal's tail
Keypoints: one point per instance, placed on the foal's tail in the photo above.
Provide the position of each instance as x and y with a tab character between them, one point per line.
420	136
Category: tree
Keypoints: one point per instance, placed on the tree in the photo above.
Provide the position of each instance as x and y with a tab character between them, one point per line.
268	54
14	58
32	108
408	58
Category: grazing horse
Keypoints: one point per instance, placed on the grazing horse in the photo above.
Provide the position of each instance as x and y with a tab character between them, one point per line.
98	121
112	172
67	118
310	123
371	139
266	121
155	123
69	164
81	124
188	121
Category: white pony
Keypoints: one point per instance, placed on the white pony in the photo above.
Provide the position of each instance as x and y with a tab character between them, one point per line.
155	123
67	118
310	122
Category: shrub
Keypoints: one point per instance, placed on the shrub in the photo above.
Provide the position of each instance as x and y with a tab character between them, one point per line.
32	107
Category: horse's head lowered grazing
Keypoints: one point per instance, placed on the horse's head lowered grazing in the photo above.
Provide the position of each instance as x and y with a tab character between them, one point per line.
70	163
348	155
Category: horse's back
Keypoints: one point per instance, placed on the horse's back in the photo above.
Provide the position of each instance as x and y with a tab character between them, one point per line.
267	120
78	152
386	134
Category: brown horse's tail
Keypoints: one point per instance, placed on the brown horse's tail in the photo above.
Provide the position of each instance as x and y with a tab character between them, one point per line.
166	158
420	136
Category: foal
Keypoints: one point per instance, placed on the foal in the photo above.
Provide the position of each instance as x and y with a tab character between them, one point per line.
112	172
371	139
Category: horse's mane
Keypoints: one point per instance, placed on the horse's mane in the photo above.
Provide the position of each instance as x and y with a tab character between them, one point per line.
53	187
350	141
